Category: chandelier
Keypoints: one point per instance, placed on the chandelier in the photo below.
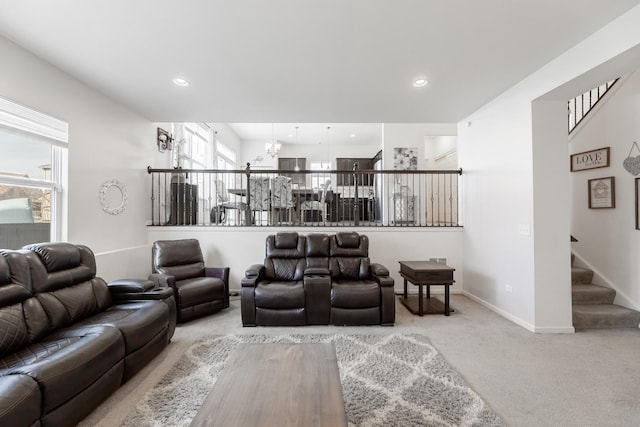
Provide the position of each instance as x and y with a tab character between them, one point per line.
272	147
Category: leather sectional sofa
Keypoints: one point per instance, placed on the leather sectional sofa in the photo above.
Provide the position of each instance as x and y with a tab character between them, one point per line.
317	279
67	339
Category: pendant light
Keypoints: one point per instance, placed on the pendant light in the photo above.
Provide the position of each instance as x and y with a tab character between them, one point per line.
272	147
297	168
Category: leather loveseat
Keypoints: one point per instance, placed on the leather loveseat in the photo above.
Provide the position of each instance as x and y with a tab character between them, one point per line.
317	279
68	340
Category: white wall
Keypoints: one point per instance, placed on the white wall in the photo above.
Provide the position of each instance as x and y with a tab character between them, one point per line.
515	160
238	248
106	141
613	123
396	135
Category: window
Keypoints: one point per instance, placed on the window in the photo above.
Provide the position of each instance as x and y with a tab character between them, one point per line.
225	157
318	180
33	162
194	150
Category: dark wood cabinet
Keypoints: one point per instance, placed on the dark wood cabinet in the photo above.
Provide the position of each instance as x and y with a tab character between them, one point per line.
184	204
347	178
288	163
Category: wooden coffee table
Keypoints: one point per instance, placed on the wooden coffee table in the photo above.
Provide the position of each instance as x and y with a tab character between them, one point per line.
276	385
426	273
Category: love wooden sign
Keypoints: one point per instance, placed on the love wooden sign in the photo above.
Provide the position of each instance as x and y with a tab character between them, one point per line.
590	159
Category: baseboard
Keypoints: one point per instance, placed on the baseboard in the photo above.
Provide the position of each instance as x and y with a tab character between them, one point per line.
518	321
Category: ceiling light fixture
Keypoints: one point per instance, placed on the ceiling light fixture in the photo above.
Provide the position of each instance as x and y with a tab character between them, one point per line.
272	147
421	82
179	81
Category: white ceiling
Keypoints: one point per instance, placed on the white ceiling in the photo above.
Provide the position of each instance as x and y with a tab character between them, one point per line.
312	133
303	61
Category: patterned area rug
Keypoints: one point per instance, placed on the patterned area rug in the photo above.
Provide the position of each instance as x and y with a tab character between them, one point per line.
387	380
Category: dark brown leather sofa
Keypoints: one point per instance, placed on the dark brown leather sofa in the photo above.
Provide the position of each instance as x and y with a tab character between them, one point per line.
68	340
317	279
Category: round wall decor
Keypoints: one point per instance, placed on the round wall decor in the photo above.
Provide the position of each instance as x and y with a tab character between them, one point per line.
113	197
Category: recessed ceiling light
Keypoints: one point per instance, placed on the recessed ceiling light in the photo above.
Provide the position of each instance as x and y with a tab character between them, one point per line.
353	135
179	81
421	82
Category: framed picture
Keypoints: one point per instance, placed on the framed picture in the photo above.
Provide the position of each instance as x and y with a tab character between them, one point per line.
602	193
590	159
637	203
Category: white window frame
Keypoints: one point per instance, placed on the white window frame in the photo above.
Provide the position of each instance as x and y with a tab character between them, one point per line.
49	130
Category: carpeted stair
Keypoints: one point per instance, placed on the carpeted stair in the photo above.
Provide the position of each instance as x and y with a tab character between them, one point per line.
593	305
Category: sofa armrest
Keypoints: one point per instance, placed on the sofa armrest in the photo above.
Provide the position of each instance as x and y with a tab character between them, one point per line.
127	290
163	280
221	273
316	271
254	271
130	286
378	269
380	274
253	275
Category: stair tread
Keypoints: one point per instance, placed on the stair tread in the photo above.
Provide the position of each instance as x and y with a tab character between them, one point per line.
603	309
590	287
592	294
604	316
581	275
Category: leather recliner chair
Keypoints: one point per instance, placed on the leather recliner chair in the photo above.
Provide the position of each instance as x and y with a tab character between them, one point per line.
199	290
273	293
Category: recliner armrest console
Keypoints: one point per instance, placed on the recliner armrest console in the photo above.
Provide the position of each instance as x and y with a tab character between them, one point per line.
316	271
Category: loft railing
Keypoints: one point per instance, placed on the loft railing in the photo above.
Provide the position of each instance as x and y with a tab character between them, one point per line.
336	198
580	106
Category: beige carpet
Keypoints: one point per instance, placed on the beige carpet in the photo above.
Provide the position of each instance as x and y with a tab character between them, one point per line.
387	380
584	379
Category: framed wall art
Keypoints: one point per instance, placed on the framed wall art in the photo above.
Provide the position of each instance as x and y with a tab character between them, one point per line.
590	159
405	158
602	193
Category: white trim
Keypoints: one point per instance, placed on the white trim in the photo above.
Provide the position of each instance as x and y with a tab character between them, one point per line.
15	116
520	322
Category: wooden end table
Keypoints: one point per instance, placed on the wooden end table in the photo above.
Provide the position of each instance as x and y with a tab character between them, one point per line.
426	273
276	385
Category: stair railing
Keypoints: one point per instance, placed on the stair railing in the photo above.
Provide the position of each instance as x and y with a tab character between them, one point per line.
580	106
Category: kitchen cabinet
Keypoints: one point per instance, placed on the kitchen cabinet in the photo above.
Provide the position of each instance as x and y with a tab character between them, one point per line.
346	164
286	163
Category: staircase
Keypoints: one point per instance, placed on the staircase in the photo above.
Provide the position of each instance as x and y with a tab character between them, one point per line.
593	305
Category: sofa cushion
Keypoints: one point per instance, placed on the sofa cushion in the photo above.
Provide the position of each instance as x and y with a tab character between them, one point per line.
348	239
280	295
67	362
285	245
349	268
179	258
59	265
198	290
137	321
71	304
284	268
286	240
355	294
19	400
349	245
